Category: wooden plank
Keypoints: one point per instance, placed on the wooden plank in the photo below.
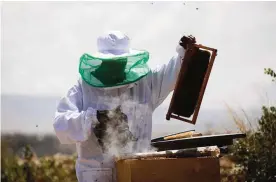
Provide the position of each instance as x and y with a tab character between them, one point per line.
162	138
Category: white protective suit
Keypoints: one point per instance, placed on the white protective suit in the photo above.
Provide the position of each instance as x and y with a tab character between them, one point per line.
76	114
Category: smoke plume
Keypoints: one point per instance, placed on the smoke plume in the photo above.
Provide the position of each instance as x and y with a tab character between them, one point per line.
124	127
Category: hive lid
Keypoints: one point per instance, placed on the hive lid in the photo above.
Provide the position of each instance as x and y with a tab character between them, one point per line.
199	141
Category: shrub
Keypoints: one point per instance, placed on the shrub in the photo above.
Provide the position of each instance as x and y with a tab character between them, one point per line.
57	168
255	156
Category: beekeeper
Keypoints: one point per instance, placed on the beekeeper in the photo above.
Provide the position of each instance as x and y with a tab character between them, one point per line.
114	75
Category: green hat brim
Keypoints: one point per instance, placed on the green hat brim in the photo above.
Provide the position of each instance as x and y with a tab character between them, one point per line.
135	69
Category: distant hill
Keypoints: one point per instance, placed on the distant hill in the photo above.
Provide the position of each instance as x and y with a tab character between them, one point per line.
34	114
41	144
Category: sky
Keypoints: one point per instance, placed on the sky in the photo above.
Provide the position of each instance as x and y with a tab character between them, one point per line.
43	41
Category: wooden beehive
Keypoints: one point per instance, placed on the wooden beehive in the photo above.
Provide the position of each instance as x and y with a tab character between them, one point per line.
203	169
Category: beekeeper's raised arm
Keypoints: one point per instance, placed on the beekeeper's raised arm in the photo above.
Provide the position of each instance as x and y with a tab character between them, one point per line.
163	78
72	124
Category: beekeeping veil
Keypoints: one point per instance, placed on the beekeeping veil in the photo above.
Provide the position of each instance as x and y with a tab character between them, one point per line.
115	63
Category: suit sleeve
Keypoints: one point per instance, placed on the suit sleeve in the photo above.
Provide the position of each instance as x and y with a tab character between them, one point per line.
72	124
163	78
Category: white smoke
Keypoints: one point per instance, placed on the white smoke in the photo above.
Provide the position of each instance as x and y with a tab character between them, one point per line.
137	115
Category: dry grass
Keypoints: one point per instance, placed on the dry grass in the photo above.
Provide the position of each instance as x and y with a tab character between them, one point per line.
237	119
227	165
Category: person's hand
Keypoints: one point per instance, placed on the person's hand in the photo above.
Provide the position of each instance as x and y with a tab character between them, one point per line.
185	41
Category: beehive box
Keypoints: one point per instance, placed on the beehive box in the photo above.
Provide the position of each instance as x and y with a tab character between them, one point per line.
169	170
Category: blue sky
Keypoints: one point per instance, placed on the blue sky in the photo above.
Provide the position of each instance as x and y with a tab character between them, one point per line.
43	41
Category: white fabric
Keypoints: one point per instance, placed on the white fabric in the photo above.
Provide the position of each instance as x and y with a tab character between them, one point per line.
97	175
114	44
76	113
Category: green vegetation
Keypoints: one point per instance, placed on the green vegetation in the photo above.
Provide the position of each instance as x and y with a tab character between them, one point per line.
270	72
57	168
254	157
